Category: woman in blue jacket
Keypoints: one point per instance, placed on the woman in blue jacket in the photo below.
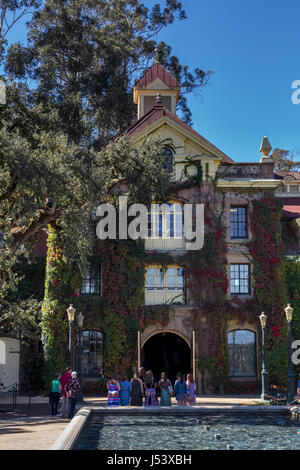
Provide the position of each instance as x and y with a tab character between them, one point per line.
180	390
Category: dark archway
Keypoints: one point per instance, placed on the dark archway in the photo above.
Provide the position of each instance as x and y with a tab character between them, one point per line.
166	352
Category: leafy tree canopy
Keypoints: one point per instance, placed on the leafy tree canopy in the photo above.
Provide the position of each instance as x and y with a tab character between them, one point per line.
83	57
285	160
69	95
11	11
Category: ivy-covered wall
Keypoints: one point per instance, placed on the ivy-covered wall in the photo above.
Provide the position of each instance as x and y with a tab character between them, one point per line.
120	312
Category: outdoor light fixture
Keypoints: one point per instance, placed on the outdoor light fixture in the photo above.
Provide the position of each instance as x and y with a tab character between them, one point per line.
289	313
291	375
80	319
71	313
264	372
263	319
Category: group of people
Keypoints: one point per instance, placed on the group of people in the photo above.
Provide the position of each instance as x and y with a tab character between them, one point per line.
143	389
65	386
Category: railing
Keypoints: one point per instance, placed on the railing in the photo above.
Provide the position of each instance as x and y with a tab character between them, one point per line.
12	391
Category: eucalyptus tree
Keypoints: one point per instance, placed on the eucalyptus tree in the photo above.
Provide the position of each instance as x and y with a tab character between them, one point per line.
83	56
69	96
12	11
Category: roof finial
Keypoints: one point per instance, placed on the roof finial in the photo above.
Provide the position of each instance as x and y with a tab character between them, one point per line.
156	56
158	99
265	149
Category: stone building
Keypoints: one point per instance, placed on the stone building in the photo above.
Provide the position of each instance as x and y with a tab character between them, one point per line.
227	188
212	327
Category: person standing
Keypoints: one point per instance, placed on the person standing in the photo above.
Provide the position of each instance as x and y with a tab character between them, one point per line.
55	394
180	390
66	376
142	375
113	395
72	390
137	391
191	390
150	395
125	390
166	389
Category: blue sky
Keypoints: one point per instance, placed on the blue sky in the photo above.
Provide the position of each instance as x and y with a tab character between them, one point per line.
252	47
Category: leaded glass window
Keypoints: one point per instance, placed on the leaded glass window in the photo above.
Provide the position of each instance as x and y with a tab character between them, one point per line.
242	353
91	353
91	279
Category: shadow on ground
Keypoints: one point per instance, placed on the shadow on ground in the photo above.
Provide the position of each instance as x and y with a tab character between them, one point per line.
23	410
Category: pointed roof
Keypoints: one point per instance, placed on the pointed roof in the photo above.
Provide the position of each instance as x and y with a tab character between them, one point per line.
157	71
157	112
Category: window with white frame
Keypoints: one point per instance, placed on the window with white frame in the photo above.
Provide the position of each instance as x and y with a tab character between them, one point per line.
165	226
164	286
239	279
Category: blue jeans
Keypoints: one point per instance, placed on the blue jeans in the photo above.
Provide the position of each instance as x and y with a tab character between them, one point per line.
72	407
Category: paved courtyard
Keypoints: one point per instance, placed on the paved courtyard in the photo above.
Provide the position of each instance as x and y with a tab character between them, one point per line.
36	429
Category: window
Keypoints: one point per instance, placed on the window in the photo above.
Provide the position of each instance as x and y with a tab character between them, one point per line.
293	188
91	280
165	227
242	353
239	279
238	222
167	223
91	353
168	155
164	285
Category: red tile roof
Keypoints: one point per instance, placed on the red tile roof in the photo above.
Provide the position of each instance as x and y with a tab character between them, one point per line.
157	112
295	174
157	71
291	208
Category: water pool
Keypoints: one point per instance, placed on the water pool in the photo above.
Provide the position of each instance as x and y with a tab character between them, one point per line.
197	432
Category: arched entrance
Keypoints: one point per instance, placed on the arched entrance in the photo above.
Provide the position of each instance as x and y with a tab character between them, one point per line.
166	352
